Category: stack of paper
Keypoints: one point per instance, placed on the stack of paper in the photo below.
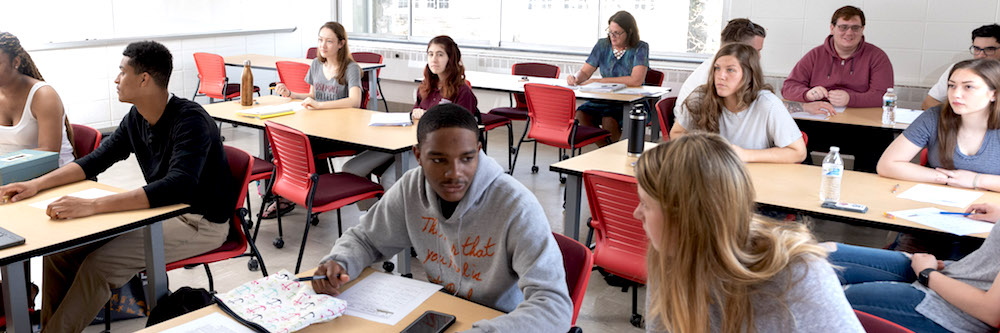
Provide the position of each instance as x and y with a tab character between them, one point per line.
386	298
264	112
941	195
602	87
955	224
390	119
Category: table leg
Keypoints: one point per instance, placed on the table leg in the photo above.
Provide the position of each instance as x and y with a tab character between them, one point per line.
571	223
373	91
626	125
654	128
15	297
403	257
156	269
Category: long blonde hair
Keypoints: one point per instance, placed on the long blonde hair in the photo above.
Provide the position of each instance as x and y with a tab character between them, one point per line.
720	251
705	104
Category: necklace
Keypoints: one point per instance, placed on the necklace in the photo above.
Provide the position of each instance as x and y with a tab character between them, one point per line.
618	53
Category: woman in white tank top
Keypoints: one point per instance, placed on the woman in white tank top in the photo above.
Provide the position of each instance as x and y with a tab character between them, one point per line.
31	113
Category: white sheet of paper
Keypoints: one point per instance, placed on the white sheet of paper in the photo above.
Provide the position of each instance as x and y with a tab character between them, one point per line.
932	217
212	323
277	108
840	109
92	193
386	298
941	195
390	119
907	116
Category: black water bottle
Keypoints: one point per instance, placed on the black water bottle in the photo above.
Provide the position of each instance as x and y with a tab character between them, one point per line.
637	125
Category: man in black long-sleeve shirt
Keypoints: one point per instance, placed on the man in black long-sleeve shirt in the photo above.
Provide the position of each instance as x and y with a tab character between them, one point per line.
180	153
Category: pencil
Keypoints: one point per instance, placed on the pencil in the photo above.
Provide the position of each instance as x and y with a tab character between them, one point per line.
895	188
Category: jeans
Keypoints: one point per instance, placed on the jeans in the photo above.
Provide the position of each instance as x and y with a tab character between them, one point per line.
878	282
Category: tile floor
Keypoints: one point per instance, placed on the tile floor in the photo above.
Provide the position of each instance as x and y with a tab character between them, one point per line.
605	308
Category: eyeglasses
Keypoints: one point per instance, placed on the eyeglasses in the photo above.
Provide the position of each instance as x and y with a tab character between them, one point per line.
615	34
989	50
855	28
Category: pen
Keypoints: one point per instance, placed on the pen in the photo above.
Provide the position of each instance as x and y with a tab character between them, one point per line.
889	215
955	213
314	277
895	188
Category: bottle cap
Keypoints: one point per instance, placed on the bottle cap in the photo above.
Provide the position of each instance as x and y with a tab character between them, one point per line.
888	90
246	62
834	149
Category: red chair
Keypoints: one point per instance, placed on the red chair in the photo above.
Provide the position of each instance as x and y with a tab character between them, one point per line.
552	110
578	262
519	104
372	58
653	78
805	138
874	324
665	113
923	157
621	242
293	75
85	139
237	242
311	53
212	80
296	180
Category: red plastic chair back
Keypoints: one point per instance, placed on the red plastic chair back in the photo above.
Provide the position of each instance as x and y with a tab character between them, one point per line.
532	69
311	53
240	168
653	78
369	57
923	157
578	262
85	139
212	73
874	324
665	114
293	75
805	138
620	239
293	161
552	110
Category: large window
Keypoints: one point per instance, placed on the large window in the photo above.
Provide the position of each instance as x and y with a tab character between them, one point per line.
670	27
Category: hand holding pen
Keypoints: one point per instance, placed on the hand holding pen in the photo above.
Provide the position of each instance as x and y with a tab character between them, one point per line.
327	285
984	212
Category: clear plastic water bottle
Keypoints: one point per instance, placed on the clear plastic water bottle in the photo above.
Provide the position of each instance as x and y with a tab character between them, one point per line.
889	107
833	172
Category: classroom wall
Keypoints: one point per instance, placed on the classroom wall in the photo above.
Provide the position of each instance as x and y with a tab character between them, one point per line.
921	37
84	77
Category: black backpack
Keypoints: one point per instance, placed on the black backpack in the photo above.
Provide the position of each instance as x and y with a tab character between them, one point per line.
187	299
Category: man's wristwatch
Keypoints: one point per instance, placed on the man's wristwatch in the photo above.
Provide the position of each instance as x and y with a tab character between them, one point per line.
924	276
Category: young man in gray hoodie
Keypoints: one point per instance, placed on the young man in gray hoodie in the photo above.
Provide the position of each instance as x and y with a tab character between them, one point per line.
477	231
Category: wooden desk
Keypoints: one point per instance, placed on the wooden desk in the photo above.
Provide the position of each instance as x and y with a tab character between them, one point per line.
788	186
466	313
260	61
857	131
345	126
46	236
870	117
512	83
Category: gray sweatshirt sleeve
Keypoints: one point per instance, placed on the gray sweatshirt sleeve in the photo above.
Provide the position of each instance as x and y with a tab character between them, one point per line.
381	233
536	259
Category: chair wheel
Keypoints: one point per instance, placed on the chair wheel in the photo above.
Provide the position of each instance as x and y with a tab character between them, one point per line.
314	220
636	320
223	138
253	265
388	266
562	180
534	169
513	150
278	242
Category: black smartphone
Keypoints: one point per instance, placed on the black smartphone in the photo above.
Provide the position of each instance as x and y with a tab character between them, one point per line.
430	322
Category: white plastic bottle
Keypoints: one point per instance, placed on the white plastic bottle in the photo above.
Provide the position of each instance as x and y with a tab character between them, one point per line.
889	107
833	172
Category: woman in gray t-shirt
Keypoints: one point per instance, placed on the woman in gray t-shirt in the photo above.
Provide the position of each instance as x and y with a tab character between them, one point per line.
334	78
739	106
962	136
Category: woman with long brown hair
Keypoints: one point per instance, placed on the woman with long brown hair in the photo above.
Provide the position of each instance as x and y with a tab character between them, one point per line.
31	112
737	104
714	266
334	78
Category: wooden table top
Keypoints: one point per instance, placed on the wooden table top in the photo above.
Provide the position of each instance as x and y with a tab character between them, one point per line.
44	235
268	62
513	83
871	117
343	125
794	186
466	313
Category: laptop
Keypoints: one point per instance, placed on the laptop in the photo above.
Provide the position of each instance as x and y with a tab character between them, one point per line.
9	239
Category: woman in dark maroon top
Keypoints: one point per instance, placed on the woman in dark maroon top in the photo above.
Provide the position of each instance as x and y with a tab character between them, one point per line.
444	78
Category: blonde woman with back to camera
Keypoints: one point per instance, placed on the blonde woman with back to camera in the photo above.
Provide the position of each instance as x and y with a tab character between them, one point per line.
716	267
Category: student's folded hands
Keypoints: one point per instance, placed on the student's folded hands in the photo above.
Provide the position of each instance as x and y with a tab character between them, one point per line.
958	178
336	276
